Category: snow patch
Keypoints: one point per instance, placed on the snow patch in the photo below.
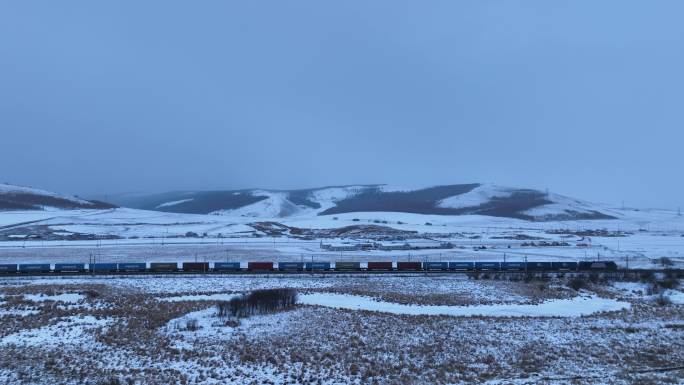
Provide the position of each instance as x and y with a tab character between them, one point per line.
66	297
476	197
68	331
575	307
174	203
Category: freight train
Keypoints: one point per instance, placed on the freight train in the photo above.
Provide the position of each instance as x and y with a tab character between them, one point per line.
341	266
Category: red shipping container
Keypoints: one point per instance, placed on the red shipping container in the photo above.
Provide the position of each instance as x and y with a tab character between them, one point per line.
259	266
379	265
195	266
409	266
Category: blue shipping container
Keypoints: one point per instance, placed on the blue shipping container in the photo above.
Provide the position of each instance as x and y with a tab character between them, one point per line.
132	266
436	265
35	267
538	265
318	265
291	266
512	265
487	265
69	267
461	265
564	265
8	268
102	266
227	266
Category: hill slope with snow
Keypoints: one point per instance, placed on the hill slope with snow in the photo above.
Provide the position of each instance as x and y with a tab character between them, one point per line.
27	198
459	199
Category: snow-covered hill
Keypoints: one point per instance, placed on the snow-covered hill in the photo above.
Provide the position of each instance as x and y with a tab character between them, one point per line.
460	199
27	198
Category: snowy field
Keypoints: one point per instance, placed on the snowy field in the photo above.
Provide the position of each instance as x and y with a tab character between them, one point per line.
636	239
343	330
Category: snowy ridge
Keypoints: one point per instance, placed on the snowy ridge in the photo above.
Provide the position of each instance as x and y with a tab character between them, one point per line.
276	205
476	197
7	189
279	204
461	199
27	198
564	207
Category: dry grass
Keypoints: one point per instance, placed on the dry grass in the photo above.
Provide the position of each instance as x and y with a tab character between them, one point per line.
309	345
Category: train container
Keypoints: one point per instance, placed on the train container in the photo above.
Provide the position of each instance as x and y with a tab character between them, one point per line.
409	266
163	266
567	266
347	265
34	268
69	267
436	265
317	266
133	266
538	266
9	268
196	266
598	265
102	267
513	266
490	266
226	266
259	266
291	266
461	265
380	266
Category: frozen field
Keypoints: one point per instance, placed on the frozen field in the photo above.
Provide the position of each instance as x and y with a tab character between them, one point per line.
360	330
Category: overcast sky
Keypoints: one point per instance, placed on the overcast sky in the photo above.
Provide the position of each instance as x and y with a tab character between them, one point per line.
585	98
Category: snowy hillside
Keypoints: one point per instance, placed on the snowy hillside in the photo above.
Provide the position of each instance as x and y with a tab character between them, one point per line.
461	199
26	198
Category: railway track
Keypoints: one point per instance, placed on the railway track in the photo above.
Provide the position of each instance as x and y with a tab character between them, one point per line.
338	273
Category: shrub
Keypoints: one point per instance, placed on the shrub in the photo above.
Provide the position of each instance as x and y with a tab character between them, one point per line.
663	300
258	302
665	261
669	283
647	276
192	325
577	283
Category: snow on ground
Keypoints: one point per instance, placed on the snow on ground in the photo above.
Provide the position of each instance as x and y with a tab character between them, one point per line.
219	285
66	331
64	297
575	307
652	234
151	329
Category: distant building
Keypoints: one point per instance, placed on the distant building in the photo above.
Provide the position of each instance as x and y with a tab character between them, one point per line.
430	245
389	246
341	246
